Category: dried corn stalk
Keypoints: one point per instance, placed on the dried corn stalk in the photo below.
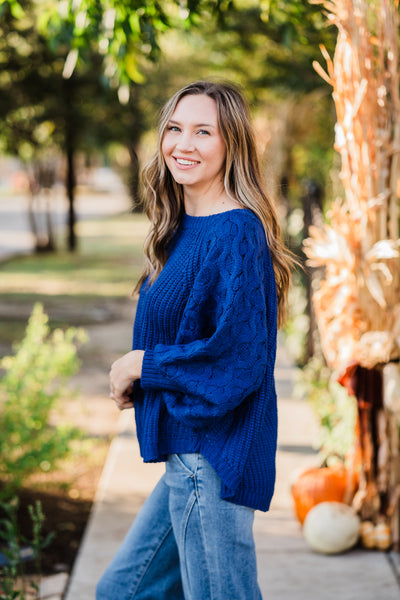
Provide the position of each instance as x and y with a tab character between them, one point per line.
358	303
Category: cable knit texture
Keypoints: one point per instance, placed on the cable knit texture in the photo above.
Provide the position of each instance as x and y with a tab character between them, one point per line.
208	328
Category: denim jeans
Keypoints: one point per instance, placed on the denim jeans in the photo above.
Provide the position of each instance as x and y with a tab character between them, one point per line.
186	542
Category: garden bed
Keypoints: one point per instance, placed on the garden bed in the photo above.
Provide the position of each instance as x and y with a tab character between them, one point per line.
89	290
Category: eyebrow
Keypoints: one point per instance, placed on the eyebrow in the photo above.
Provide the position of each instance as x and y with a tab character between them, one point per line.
196	125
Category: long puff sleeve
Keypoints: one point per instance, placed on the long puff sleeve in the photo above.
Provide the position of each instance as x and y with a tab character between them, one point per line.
221	351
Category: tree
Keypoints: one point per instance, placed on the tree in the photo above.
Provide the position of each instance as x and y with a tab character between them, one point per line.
101	50
46	91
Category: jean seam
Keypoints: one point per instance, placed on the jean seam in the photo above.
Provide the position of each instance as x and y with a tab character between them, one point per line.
189	472
148	564
204	537
184	530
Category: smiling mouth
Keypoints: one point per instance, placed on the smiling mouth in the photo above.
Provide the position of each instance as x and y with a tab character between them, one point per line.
185	162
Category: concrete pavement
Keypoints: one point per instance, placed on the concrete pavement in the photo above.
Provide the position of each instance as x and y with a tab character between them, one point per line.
288	569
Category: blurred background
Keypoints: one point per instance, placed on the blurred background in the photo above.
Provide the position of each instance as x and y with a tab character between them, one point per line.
81	86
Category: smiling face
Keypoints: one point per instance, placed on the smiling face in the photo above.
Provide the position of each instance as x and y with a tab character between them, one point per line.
193	147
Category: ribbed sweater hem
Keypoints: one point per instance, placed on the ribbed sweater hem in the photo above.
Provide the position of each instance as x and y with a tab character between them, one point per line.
231	489
149	379
250	499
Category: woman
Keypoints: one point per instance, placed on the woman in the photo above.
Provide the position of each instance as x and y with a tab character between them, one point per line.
200	374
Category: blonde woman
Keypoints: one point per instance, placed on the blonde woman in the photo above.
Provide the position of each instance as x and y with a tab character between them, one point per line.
201	372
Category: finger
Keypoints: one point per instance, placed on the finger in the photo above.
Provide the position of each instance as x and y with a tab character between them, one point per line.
124	405
121	396
124	394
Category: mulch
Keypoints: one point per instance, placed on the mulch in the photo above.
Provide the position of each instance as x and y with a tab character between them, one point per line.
65	519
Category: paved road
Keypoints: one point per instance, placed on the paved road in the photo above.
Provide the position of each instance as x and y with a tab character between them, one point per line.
15	234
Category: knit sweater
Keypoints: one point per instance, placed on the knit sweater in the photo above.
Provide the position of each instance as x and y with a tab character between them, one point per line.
208	328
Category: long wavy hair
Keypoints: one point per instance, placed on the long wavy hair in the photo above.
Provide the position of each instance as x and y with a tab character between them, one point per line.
164	201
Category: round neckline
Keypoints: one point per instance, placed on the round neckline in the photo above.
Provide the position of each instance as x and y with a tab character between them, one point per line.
224	212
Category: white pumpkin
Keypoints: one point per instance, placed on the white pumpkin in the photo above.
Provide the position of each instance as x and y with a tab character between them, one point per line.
331	527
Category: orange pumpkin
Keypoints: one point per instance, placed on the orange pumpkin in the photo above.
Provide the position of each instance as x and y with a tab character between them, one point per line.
315	485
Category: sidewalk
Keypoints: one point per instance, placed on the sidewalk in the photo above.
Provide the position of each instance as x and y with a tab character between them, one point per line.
288	569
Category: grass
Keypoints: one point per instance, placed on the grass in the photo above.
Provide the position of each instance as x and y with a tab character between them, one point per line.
71	286
110	254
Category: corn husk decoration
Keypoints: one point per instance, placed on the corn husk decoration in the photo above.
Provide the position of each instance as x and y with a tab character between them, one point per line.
358	303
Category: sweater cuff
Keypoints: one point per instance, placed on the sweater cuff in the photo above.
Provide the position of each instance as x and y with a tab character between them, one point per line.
150	379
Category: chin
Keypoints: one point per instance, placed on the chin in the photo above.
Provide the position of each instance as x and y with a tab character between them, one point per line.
182	179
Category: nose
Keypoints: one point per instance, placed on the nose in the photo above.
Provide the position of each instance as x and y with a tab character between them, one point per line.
185	142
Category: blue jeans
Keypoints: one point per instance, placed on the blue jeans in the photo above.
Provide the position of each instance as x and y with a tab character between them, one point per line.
186	543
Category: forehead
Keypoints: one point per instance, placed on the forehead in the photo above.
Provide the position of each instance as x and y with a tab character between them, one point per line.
196	108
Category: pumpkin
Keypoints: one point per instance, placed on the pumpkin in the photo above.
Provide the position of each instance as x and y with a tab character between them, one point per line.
367	532
331	527
383	536
376	536
317	485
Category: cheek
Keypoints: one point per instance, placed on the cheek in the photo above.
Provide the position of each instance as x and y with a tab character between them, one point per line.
165	147
220	154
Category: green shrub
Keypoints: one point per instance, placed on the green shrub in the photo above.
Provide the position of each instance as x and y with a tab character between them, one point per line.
35	377
13	580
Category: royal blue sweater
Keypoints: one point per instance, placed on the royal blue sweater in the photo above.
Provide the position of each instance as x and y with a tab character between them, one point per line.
208	328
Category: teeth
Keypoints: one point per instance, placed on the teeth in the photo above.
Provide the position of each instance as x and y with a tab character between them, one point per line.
181	161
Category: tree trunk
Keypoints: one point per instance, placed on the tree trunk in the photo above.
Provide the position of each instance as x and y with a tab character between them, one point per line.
51	245
41	181
134	179
70	187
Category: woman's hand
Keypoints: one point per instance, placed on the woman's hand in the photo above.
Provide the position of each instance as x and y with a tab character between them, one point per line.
123	373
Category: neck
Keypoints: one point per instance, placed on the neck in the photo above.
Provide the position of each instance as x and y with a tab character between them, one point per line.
207	202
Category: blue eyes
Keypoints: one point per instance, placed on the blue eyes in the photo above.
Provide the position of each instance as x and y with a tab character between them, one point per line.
176	129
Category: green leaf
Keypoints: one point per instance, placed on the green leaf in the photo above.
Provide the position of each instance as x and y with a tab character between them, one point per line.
132	70
16	9
43	20
134	22
3	8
